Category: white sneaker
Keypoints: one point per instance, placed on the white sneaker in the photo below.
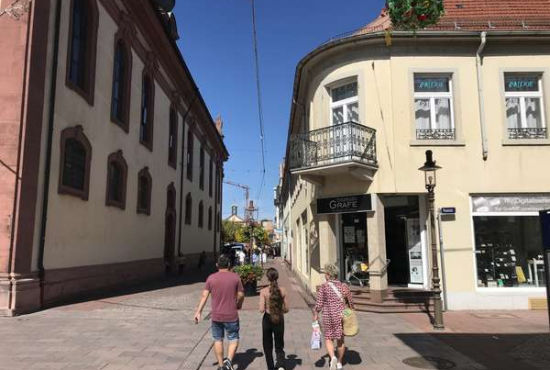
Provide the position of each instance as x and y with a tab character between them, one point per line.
333	363
339	366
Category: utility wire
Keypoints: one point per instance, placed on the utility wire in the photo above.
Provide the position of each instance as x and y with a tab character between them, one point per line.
259	91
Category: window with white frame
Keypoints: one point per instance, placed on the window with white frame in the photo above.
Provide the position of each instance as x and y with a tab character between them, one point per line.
524	106
344	103
433	107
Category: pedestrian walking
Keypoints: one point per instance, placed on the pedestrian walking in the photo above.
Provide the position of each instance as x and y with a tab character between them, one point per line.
273	304
331	302
227	293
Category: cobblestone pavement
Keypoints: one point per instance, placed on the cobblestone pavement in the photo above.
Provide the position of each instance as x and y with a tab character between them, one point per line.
153	330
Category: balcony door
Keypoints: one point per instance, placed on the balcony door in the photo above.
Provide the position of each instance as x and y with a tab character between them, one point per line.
344	107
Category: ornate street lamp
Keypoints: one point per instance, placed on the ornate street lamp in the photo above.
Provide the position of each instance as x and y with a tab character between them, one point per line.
430	169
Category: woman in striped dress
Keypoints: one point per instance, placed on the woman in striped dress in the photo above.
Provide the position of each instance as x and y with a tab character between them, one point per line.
332	297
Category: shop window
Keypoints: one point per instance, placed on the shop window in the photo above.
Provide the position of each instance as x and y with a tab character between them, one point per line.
173	138
190	142
524	106
81	56
76	155
210	179
117	171
145	186
122	72
509	251
188	209
210	218
147	112
433	107
344	103
201	169
201	215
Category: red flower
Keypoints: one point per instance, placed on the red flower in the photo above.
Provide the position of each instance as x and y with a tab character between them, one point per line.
422	17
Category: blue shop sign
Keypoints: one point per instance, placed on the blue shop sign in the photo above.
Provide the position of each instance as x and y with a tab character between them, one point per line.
431	84
521	83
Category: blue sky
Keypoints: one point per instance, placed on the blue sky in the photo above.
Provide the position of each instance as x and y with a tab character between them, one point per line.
216	41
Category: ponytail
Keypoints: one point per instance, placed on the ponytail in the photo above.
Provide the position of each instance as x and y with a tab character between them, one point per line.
276	300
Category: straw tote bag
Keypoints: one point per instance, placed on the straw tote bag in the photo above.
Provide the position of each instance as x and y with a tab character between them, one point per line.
349	318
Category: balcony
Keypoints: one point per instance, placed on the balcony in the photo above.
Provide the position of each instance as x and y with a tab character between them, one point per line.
435	134
348	147
531	133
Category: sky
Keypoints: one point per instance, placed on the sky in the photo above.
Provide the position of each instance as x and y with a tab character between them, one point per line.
217	44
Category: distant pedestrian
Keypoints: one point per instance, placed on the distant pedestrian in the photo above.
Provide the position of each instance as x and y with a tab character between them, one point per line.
264	257
331	301
254	258
273	304
227	298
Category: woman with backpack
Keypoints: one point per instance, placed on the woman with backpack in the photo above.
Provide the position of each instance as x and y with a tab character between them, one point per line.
273	304
332	298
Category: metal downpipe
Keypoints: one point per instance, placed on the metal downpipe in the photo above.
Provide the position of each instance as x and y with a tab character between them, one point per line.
479	66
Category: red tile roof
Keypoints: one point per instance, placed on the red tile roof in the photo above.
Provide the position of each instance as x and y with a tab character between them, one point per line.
483	15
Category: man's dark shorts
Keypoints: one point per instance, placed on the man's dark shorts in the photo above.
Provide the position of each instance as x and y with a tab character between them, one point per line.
222	329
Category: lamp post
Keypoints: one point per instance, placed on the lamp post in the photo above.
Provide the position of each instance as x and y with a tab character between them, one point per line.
430	169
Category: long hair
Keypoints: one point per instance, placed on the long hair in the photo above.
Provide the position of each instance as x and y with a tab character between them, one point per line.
276	301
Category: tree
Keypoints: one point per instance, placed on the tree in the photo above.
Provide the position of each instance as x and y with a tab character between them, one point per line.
231	232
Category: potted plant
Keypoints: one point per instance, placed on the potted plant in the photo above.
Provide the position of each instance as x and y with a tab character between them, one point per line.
250	275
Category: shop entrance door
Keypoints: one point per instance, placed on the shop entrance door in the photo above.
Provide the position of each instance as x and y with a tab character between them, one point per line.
353	245
401	221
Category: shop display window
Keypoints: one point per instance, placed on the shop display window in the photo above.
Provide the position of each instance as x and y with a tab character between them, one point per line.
509	251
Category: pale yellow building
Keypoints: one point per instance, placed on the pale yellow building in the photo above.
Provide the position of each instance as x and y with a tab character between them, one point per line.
112	165
474	89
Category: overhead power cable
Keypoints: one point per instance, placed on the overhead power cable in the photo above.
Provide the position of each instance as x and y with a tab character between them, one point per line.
259	93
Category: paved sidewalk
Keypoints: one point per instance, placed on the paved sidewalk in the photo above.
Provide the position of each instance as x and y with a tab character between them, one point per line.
153	329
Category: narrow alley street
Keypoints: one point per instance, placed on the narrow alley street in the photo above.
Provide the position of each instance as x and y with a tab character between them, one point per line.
153	330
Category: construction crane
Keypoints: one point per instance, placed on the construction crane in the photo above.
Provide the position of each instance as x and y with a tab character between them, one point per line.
248	209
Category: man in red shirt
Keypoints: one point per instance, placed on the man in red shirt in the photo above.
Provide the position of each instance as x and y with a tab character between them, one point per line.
227	298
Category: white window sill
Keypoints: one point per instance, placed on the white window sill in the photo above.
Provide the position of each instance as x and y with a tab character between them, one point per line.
415	142
525	142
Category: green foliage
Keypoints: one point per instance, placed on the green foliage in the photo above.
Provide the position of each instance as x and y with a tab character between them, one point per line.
414	14
242	233
249	273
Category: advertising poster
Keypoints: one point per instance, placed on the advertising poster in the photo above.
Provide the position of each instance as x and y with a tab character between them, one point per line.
415	250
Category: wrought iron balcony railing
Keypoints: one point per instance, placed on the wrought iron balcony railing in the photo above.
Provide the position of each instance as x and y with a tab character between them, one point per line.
528	133
435	134
332	145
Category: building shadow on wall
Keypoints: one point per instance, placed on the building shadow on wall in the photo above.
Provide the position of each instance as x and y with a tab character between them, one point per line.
493	351
189	276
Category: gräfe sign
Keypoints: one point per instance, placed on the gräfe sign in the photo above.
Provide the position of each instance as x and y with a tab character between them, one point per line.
347	204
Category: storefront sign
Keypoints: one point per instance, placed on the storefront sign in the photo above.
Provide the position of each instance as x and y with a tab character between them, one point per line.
349	204
511	203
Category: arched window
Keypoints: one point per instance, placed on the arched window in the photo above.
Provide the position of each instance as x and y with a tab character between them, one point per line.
173	138
201	167
210	179
145	186
171	197
201	215
81	54
117	171
210	218
147	107
122	72
76	154
188	209
190	141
